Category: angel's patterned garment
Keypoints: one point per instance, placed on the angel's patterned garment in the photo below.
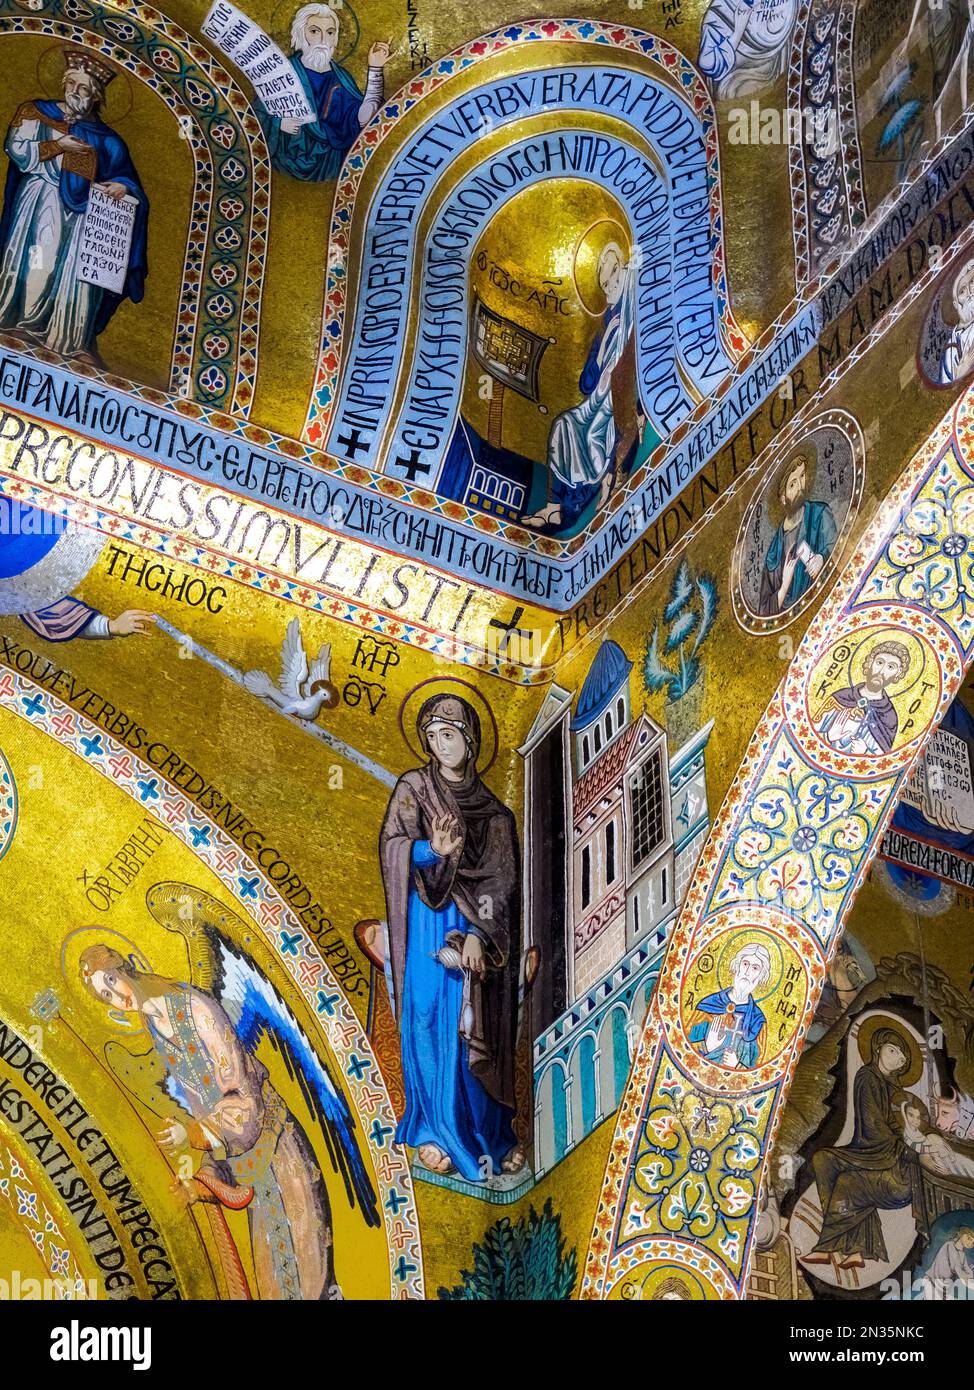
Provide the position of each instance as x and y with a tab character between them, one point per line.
251	1140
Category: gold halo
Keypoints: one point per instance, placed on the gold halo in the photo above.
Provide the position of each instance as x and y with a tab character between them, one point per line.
665	1274
585	266
949	317
49	81
864	1041
444	685
918	659
71	948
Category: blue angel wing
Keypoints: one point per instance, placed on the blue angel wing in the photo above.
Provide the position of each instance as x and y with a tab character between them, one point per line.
256	1010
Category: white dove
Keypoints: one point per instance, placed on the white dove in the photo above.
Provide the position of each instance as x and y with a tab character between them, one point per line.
301	693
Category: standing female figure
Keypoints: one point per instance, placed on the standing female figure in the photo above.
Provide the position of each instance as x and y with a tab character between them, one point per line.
451	871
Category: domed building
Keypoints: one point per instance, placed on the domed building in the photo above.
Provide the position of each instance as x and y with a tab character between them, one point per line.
624	823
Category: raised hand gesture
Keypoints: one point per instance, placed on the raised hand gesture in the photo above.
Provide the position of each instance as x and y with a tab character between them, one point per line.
446	836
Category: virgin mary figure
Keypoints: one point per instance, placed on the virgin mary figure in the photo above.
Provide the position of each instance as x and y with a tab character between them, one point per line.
876	1171
450	868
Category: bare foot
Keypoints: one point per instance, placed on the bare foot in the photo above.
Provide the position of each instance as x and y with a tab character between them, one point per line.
435	1159
548	516
514	1161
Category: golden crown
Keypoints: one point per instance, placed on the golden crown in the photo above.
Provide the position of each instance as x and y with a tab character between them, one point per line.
81	59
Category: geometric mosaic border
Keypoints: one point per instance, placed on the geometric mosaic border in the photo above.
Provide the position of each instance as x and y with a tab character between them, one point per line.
793	841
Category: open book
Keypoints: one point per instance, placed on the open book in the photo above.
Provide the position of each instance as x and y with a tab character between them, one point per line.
106	239
255	53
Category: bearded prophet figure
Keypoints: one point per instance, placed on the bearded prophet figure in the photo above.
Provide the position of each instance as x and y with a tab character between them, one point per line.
57	150
256	1156
800	546
315	150
450	867
728	1027
589	441
957	361
744	44
862	718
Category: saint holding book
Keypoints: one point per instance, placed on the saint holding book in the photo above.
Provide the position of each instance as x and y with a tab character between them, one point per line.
58	150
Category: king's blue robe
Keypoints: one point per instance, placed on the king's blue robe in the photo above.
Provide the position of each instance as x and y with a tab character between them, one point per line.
114	165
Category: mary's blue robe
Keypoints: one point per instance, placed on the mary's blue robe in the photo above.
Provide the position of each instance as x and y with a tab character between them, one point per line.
458	1045
445	1104
317	151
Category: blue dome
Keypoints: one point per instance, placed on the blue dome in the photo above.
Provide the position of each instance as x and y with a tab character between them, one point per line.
607	675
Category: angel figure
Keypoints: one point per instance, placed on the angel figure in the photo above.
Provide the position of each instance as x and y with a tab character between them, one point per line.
203	1077
302	691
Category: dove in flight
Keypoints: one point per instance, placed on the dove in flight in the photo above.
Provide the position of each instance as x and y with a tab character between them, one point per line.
301	692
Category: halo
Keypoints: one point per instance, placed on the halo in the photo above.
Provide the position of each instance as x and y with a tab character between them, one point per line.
666	1274
948	312
283	17
444	686
918	659
864	1041
806	450
735	943
49	81
71	948
173	904
585	265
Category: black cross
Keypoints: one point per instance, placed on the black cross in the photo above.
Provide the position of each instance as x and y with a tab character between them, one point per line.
510	629
352	442
413	466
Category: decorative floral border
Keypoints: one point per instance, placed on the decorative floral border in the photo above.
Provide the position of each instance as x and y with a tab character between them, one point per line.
618	37
827	194
21	1190
937	487
692	1257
